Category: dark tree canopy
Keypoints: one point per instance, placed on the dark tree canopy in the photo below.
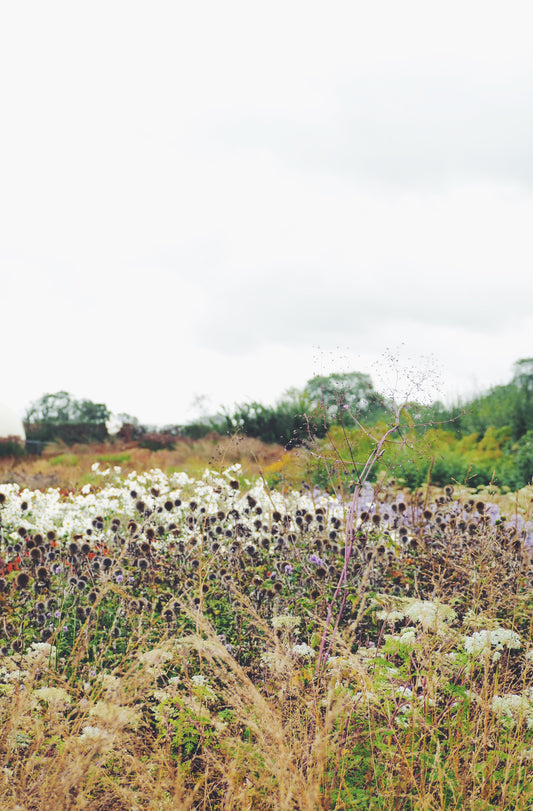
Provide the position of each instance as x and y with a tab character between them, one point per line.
61	408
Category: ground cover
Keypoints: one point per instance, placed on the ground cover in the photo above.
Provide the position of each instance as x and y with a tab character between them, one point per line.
69	467
165	644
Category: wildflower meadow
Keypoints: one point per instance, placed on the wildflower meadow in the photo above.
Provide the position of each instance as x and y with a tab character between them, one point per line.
178	641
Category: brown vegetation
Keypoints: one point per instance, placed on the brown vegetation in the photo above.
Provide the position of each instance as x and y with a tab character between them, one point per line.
70	466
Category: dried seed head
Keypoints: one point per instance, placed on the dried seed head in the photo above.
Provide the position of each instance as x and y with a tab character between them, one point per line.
23	580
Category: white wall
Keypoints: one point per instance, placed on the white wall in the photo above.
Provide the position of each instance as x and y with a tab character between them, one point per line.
10	424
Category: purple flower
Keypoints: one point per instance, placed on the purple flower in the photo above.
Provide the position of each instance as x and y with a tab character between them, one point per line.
492	511
119	578
315	559
287	568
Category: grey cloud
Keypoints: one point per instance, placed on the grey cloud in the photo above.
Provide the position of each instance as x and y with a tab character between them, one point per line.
245	315
408	130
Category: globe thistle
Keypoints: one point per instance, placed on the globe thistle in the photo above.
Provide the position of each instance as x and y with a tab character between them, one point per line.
23	580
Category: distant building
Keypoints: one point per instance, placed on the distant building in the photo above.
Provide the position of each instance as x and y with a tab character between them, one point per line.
10	424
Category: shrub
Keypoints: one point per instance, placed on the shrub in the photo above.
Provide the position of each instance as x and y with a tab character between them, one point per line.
156	441
11	446
69	433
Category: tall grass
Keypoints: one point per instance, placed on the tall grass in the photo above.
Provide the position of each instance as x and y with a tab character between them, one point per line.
214	644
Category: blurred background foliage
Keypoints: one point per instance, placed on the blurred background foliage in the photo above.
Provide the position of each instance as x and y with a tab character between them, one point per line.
330	426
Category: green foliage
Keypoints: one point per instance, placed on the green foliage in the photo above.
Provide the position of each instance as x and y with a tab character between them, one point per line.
200	428
61	408
301	415
68	459
342	398
471	459
285	423
434	454
60	417
69	433
508	405
11	447
522	458
114	458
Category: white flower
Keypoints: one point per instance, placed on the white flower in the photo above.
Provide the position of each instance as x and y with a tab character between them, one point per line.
39	653
201	684
304	650
270	659
114	715
97	737
16	675
407	636
56	697
429	614
110	685
390	616
486	640
512	708
155	658
285	621
403	692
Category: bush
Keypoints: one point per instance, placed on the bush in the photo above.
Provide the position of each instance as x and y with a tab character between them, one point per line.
156	441
70	433
285	423
11	446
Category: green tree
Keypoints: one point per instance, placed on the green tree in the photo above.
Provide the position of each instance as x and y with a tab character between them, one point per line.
507	405
342	397
285	423
61	408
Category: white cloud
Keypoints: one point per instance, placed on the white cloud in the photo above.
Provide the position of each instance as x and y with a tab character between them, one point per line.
199	198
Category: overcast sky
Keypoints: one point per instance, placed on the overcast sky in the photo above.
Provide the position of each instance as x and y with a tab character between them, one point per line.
223	199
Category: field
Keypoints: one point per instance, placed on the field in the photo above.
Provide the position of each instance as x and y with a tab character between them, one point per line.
205	640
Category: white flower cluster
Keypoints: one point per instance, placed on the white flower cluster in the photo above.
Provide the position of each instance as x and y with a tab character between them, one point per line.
55	697
491	641
304	650
40	652
429	614
285	621
407	637
155	659
99	738
513	709
38	511
114	715
202	687
391	617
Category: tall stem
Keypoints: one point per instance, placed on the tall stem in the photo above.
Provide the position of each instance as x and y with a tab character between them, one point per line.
328	637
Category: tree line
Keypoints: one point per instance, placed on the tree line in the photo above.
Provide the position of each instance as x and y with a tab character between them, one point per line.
486	438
